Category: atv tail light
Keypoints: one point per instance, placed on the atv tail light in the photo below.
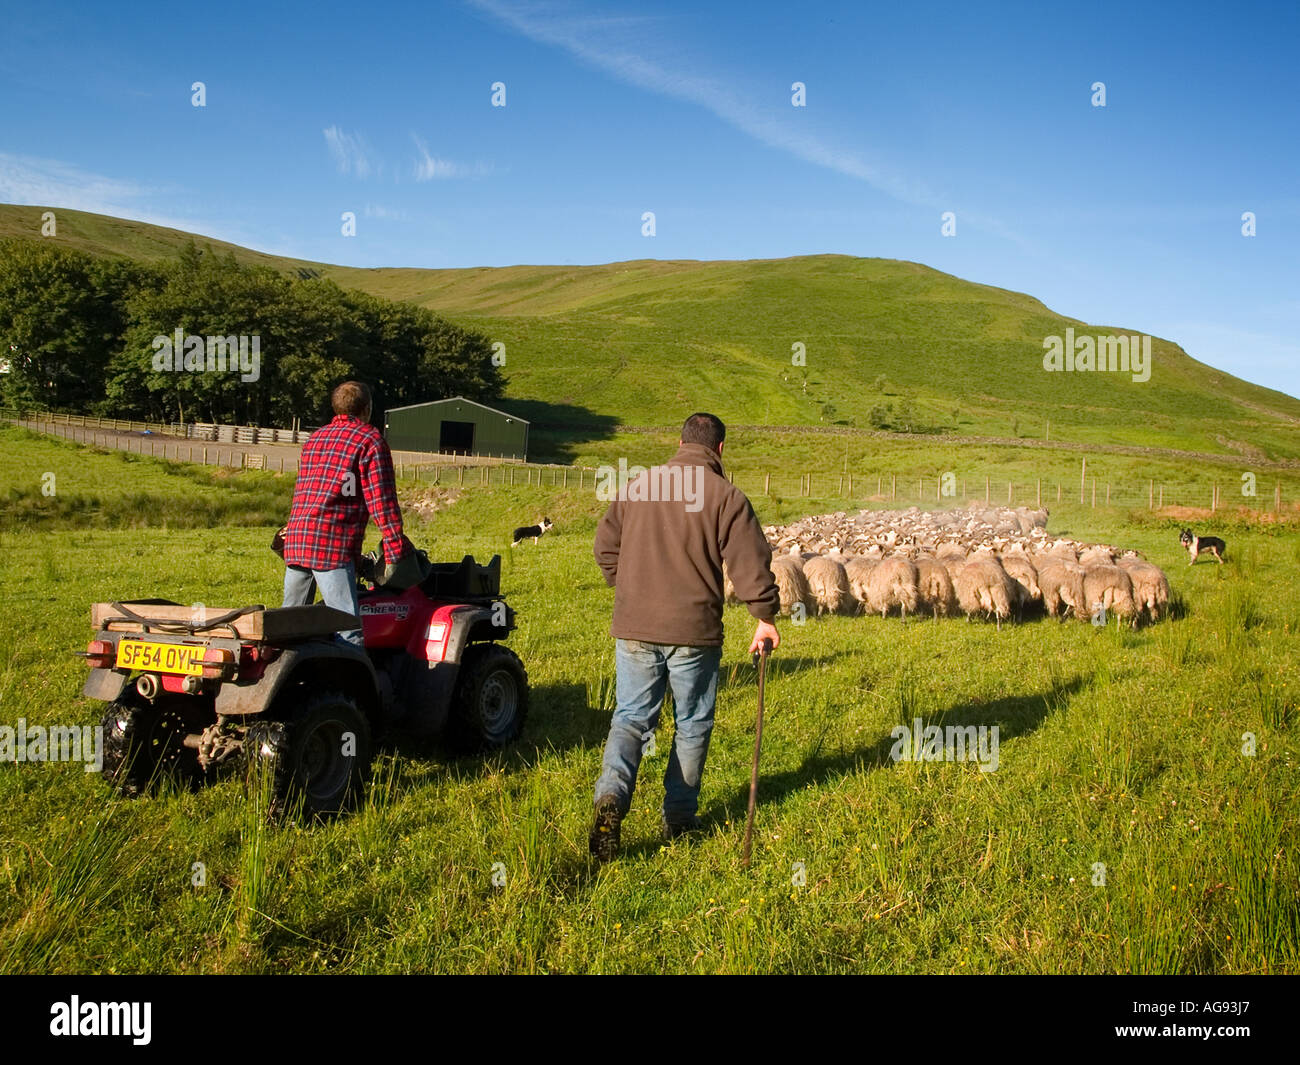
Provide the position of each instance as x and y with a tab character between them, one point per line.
435	643
218	664
101	654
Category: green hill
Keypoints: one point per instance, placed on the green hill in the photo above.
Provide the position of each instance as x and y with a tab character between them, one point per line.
645	342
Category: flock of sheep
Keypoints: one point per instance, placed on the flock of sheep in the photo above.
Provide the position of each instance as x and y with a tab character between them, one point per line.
995	562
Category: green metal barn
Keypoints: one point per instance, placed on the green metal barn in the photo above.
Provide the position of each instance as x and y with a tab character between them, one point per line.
456	426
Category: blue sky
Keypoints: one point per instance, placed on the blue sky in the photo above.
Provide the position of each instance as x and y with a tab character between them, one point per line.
1127	215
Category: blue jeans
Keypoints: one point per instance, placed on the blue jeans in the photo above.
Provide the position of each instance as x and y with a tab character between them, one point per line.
338	587
644	672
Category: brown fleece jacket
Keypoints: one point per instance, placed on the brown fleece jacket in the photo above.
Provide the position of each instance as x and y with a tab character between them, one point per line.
661	547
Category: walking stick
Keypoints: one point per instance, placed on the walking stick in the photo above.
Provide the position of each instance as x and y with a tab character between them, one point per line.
760	660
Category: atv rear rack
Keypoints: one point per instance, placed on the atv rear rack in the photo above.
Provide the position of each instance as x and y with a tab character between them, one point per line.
257	623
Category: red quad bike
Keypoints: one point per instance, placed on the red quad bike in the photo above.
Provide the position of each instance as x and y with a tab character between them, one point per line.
193	690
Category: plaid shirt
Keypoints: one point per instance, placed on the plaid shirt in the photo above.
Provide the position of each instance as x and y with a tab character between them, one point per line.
345	475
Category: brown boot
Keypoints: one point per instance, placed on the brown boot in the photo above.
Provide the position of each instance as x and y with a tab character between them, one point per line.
603	841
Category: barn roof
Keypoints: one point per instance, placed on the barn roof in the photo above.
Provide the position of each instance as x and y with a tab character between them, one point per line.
458	399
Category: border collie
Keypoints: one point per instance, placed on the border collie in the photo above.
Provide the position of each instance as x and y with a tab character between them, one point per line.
524	532
1196	544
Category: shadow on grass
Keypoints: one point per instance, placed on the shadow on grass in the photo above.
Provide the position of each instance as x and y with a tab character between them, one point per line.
1015	715
558	431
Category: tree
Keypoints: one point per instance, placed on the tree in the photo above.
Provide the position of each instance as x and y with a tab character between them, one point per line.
255	346
906	421
61	315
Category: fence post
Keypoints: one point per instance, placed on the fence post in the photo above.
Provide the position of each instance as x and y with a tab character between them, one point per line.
462	475
767	483
1107	493
1038	493
1083	480
1162	497
1008	493
893	486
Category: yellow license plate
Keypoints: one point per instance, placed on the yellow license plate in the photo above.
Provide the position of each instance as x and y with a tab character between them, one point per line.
160	657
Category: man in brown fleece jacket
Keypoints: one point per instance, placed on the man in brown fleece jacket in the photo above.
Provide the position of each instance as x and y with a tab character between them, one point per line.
661	545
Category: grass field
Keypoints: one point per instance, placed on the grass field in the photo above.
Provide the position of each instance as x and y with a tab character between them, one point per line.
1116	747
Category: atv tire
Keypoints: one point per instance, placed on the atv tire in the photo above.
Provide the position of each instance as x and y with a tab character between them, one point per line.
320	758
490	702
144	743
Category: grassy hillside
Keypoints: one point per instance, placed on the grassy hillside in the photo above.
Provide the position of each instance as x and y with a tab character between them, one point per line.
1116	747
643	343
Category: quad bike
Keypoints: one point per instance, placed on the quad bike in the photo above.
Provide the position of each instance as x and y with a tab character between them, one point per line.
194	691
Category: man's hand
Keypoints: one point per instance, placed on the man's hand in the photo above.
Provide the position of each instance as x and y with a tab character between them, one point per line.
765	631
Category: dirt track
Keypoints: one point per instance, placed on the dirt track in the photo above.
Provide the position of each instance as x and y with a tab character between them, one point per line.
279	457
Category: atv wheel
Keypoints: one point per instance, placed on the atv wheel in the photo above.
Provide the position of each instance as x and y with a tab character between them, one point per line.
143	743
490	702
321	757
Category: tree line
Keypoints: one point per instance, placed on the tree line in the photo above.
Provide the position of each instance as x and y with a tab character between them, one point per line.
204	338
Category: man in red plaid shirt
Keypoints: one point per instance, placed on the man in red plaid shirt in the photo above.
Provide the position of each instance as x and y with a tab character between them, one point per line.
345	477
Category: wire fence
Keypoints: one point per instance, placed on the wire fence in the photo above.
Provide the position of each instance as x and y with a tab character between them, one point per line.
952	489
256	450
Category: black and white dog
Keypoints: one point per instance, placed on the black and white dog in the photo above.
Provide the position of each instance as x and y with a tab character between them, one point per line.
524	532
1196	544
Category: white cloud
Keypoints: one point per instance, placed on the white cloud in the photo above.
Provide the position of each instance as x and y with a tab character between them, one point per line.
386	214
595	41
430	168
349	151
50	183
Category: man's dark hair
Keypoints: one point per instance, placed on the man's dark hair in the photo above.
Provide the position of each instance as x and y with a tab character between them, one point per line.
704	429
351	397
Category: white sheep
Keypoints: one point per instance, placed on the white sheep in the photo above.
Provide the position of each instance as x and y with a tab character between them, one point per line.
1097	555
983	587
1061	584
858	571
1108	588
893	583
934	587
791	585
1023	572
828	584
1150	586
